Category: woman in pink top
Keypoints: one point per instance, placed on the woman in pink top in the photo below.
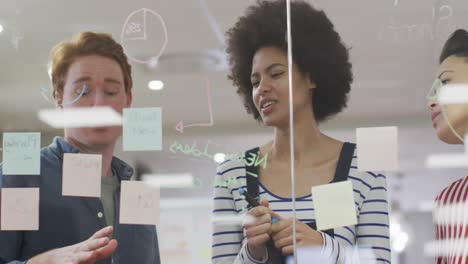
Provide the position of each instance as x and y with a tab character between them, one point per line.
451	124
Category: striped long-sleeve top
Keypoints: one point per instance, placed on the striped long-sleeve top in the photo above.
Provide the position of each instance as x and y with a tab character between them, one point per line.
370	196
454	228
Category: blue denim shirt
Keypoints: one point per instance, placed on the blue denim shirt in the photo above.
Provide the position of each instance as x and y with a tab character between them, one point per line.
66	220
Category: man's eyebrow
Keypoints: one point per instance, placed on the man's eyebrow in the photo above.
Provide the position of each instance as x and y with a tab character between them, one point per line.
82	79
112	80
87	78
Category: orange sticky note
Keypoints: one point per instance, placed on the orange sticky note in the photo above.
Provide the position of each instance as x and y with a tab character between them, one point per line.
20	209
81	175
139	203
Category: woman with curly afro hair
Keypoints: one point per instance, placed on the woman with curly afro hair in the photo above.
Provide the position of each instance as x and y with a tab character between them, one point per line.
321	80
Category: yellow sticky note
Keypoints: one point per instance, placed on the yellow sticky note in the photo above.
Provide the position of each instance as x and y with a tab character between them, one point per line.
139	203
81	175
334	205
377	148
19	209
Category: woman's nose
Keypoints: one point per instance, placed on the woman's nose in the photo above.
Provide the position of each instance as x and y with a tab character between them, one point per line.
264	86
431	104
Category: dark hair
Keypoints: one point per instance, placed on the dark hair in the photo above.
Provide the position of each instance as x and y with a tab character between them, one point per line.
457	45
317	51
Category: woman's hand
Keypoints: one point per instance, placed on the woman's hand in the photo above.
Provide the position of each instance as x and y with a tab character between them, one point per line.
282	235
258	232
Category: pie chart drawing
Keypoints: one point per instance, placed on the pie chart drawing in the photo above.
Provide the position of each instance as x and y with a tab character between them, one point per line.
144	36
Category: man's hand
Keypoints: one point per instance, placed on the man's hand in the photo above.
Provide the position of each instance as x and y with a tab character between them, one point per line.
96	248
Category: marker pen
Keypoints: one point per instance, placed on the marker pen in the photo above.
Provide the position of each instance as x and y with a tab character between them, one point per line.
253	202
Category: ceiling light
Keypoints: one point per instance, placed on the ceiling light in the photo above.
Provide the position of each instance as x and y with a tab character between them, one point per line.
156	85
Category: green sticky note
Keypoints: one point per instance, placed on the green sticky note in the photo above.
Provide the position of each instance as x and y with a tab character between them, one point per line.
21	153
142	129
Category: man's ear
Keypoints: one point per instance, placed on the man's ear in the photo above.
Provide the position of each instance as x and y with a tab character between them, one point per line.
58	97
129	98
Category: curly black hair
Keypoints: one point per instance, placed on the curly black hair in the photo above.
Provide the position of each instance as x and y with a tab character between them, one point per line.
317	50
456	45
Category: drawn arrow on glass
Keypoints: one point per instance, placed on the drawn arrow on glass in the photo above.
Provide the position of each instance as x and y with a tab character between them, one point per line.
180	126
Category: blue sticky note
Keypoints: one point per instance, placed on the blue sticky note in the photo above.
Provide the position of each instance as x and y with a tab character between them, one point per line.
142	129
21	153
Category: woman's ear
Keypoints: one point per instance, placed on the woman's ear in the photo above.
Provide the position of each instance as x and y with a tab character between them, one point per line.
311	83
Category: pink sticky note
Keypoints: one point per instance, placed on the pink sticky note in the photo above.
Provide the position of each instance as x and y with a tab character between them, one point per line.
139	203
81	175
20	209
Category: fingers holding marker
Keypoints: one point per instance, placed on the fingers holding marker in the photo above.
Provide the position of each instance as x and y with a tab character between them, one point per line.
278	234
281	224
258	229
265	203
260	211
258	241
